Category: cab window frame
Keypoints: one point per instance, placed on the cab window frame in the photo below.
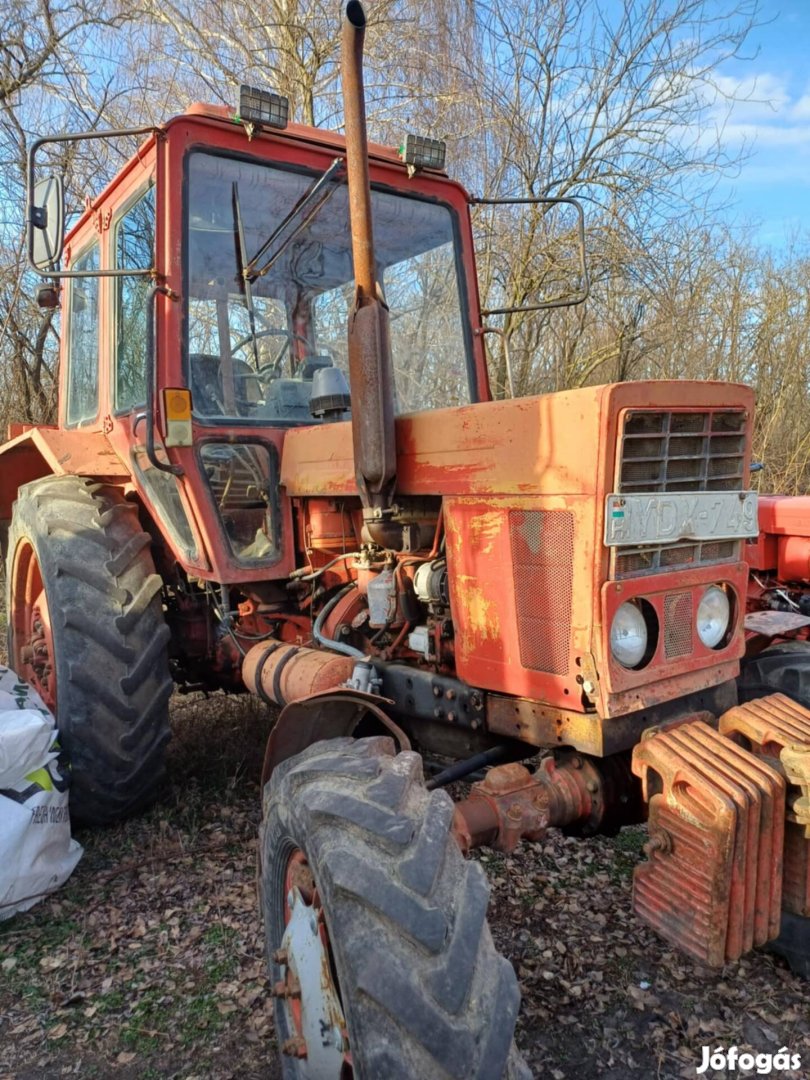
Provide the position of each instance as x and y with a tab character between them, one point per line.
85	421
117	283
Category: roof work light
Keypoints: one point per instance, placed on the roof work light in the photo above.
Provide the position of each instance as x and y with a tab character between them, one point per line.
423	153
262	107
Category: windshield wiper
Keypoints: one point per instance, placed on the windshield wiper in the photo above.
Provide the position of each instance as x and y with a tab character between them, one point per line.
316	194
241	255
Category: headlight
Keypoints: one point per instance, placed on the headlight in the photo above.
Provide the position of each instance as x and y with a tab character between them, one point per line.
628	635
713	616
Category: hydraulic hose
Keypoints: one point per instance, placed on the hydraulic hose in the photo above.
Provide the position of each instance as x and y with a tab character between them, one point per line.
328	643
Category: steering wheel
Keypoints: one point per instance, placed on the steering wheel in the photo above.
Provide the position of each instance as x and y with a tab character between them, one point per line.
272	368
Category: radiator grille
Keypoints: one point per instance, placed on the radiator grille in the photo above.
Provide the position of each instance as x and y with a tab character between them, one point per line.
670	451
677	625
542	544
682	451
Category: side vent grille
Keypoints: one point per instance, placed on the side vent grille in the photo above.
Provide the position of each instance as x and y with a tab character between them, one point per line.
543	561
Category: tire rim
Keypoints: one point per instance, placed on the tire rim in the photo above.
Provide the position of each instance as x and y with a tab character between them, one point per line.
308	989
31	635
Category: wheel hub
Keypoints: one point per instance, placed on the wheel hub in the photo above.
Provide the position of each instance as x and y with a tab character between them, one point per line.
31	625
314	1012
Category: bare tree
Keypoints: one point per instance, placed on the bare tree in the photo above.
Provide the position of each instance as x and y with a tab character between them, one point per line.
610	103
290	46
42	73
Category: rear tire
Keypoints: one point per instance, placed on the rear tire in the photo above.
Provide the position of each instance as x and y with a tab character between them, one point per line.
424	994
106	667
779	669
783	669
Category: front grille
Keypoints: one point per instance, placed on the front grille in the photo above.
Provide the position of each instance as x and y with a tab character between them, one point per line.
657	557
671	451
682	451
542	544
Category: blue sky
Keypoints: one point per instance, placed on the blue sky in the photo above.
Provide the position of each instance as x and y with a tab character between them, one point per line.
772	189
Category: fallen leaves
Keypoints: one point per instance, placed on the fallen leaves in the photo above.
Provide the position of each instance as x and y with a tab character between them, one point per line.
602	995
150	961
151	958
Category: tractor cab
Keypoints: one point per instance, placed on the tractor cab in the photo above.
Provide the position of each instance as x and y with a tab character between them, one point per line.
206	293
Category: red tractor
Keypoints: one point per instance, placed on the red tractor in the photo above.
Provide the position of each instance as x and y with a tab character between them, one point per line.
242	494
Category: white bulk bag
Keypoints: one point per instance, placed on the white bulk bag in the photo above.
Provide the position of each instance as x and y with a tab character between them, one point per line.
37	854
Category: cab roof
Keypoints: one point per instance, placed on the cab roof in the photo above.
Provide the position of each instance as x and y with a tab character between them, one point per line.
224	114
320	136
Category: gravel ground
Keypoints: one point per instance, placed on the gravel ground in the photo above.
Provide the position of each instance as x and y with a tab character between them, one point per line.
148	963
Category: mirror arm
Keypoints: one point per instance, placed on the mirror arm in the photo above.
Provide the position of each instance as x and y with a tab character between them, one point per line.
31	223
507	355
563	301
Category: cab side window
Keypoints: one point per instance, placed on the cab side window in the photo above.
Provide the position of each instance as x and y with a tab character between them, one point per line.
134	250
82	387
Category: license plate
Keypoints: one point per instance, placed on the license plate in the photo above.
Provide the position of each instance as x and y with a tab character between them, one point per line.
668	518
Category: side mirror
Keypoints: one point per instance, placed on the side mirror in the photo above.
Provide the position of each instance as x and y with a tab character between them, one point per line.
46	223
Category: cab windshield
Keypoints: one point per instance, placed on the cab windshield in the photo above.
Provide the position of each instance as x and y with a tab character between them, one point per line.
270	284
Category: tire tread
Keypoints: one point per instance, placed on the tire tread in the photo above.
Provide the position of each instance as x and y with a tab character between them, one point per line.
425	991
110	640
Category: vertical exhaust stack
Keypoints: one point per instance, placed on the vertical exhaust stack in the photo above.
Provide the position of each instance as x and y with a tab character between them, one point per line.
370	368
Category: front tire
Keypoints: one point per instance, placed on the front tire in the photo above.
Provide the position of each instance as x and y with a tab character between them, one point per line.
86	628
351	839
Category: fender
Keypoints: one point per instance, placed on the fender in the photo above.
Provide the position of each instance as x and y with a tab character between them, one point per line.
40	451
328	715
